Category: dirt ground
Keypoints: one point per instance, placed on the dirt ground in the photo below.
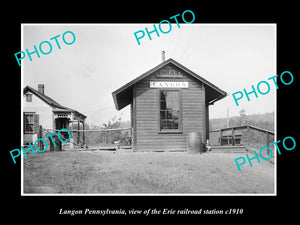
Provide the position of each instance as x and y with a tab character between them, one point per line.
109	172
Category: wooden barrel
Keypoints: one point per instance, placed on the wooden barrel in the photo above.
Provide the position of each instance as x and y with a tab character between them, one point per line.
194	142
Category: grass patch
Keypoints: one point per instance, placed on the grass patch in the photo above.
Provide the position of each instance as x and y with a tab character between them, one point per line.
108	172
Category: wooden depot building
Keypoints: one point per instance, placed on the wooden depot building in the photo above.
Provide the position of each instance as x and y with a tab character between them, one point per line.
167	103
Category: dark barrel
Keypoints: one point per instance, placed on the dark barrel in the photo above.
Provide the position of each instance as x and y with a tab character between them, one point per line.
194	142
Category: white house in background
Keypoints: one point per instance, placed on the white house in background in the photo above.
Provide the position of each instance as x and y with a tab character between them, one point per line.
41	110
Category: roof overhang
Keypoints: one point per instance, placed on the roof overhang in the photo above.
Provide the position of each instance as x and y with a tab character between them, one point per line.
123	96
55	105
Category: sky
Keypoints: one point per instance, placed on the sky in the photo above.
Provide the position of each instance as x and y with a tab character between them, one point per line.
104	57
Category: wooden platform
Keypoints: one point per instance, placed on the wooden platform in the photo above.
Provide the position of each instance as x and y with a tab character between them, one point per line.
228	149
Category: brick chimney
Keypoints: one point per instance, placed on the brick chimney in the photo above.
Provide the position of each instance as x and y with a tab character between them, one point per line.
41	88
163	57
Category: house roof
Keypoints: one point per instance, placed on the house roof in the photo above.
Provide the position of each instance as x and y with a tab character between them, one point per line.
244	127
123	96
56	107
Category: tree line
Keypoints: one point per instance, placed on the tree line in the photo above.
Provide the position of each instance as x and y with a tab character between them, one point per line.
264	121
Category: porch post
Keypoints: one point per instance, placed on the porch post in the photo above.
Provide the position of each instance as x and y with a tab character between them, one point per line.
221	137
78	134
83	133
232	133
72	135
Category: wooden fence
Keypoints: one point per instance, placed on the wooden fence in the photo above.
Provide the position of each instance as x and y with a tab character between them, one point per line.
240	135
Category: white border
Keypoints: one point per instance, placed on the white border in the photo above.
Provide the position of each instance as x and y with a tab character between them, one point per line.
22	117
143	194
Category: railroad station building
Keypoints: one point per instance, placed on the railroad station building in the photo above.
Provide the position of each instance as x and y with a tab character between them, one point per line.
167	103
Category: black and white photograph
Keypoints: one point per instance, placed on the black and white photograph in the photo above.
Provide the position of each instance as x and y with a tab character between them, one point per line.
130	109
146	111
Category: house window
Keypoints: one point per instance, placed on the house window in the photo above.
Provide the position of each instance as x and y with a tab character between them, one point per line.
170	111
28	97
28	122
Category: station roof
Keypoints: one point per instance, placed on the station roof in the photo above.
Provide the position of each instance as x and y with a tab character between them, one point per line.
123	96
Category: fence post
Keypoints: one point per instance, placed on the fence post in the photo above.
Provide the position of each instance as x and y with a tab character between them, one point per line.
267	141
221	137
78	134
40	135
232	133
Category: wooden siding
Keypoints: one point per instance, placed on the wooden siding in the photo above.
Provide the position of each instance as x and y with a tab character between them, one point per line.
145	115
41	108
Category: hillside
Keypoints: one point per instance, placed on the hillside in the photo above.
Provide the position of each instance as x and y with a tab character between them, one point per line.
265	121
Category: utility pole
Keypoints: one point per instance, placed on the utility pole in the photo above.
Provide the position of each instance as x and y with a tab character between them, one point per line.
227	124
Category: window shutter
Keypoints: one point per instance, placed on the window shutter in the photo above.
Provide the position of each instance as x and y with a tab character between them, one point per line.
24	126
36	124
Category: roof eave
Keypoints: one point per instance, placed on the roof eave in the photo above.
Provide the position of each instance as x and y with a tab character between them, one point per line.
170	60
49	100
217	99
115	101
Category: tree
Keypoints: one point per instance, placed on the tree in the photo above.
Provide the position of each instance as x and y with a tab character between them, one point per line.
114	135
113	123
243	119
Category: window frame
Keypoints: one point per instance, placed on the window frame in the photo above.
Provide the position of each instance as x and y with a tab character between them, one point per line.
31	123
28	97
168	131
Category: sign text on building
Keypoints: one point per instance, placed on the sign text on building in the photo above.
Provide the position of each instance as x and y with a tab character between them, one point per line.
168	72
162	84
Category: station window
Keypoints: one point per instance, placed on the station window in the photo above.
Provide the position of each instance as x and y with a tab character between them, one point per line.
170	111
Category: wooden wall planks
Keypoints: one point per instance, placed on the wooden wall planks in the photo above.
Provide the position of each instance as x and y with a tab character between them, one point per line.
145	115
